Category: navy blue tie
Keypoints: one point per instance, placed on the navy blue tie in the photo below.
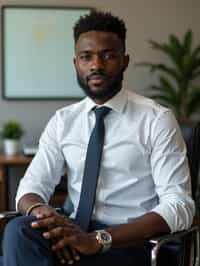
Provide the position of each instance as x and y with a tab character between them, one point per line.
91	171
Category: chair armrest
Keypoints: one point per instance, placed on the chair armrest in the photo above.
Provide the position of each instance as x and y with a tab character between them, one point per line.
158	242
8	215
5	217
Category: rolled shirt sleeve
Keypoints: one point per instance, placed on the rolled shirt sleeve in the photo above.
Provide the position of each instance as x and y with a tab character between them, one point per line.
171	173
46	168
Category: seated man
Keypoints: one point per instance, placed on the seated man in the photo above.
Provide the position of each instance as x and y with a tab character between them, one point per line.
128	176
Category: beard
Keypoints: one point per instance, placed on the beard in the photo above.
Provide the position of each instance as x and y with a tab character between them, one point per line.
104	92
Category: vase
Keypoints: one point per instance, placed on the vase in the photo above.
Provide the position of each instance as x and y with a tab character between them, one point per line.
11	147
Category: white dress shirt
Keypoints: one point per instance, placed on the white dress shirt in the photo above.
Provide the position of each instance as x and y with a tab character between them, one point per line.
144	166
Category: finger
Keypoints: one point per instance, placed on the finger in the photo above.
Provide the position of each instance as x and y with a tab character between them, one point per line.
64	255
42	214
75	254
65	241
46	222
44	210
59	244
68	256
59	232
59	255
62	258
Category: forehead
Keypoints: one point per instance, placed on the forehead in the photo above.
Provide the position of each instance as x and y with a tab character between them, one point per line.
98	41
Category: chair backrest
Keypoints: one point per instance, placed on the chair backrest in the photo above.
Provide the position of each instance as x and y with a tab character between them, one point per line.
193	152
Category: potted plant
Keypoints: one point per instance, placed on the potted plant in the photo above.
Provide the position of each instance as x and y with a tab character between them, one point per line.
11	134
177	78
177	85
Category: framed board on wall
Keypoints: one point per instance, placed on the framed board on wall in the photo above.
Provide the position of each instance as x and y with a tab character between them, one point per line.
38	51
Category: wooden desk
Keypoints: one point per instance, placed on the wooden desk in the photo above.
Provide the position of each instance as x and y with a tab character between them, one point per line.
5	163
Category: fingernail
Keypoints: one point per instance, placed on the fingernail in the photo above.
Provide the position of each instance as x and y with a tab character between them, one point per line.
70	262
46	235
77	258
34	224
63	261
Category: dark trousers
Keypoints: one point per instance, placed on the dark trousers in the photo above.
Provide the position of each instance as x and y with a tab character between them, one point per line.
24	246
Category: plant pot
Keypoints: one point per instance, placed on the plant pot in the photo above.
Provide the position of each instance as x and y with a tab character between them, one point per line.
11	146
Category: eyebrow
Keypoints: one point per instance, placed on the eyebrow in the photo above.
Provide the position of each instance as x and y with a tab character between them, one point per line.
103	51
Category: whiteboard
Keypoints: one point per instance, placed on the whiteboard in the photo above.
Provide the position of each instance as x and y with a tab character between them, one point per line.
38	51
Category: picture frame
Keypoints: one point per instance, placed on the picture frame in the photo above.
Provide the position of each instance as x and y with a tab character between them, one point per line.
38	51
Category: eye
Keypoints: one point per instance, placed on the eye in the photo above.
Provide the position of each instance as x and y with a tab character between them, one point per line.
110	55
85	57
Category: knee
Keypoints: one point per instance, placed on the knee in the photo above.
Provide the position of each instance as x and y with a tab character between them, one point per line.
21	240
16	227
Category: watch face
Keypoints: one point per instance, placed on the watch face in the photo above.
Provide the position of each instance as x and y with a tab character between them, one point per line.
105	239
104	236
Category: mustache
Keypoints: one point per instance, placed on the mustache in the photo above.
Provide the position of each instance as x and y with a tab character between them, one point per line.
96	74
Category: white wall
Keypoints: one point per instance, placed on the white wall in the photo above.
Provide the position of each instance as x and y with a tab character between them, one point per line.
145	19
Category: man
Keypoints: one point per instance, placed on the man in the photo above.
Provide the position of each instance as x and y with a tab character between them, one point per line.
143	186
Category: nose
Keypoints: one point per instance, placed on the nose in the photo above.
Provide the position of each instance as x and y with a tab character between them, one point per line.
97	63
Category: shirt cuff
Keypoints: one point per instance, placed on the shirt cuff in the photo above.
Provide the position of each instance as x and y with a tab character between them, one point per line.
178	216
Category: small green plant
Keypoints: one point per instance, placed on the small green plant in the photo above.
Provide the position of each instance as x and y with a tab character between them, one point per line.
177	85
12	130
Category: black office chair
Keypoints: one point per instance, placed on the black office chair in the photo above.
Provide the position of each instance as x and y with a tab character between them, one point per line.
178	249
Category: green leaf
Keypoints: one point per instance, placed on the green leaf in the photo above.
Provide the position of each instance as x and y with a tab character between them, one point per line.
187	42
163	99
188	67
157	46
12	130
174	41
161	67
196	52
146	64
168	88
176	50
158	90
196	65
168	70
167	100
194	104
169	50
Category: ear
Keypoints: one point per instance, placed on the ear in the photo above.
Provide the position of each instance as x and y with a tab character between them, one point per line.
74	61
126	61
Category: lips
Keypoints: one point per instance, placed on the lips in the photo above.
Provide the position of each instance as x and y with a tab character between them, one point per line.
96	79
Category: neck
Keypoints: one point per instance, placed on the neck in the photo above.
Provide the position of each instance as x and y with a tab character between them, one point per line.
101	101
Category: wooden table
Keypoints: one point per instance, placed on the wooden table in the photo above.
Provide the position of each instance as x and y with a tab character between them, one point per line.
5	163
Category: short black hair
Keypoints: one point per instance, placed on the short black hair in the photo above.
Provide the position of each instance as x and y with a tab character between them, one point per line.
100	21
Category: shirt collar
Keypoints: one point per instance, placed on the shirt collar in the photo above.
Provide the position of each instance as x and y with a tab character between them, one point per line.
117	103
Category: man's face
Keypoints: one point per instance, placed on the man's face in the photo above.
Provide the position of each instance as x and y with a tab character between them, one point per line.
100	63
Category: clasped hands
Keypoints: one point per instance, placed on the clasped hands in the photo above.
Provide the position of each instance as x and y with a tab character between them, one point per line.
68	240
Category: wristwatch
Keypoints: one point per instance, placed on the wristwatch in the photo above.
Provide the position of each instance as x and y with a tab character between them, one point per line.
104	238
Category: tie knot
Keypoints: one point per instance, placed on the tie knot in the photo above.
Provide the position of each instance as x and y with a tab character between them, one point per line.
101	112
